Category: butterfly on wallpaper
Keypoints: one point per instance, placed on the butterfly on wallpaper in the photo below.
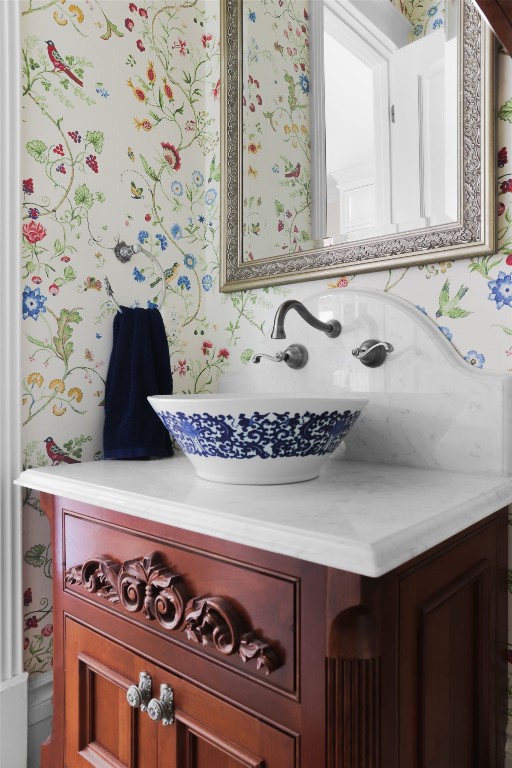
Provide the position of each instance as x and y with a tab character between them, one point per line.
131	154
136	191
92	283
255	228
88	355
252	172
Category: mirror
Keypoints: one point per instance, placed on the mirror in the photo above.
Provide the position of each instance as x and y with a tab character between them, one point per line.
353	140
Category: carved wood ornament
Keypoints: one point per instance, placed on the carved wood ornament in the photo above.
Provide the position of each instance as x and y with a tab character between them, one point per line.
146	584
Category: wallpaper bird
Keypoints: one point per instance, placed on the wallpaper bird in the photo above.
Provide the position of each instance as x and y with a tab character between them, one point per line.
294	173
449	307
59	63
56	454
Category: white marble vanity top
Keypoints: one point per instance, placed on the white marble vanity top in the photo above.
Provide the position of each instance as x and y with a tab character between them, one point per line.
357	516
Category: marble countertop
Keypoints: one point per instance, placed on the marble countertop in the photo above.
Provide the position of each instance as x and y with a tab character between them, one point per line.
357	516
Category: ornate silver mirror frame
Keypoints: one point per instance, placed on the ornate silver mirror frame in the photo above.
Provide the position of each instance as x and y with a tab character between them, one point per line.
472	235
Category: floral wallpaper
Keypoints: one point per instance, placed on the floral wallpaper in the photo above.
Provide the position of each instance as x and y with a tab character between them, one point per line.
121	142
276	159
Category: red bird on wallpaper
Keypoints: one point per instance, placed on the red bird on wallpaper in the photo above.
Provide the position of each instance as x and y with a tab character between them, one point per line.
59	63
295	173
56	454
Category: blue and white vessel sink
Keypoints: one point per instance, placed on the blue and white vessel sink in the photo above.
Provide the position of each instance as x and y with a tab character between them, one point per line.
257	439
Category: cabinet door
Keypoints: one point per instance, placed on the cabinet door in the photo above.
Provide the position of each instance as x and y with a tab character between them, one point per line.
103	730
449	658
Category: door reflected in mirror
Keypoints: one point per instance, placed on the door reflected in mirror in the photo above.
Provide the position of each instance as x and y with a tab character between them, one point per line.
347	131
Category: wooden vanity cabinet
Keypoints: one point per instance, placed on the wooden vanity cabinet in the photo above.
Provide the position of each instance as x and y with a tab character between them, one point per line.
273	662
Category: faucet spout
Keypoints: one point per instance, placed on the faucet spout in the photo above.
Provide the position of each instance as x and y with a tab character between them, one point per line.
332	328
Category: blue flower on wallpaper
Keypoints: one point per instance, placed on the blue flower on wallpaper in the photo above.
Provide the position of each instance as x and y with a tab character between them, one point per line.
501	290
207	282
304	83
184	281
176	232
275	169
432	11
446	331
190	261
102	91
142	236
251	16
138	276
162	240
177	188
475	358
210	196
198	178
33	302
438	23
200	219
418	29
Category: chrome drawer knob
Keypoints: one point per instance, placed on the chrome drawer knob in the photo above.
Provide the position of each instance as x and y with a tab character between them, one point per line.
139	696
162	709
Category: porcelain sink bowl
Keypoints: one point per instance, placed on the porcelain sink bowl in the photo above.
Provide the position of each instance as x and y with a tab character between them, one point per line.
262	439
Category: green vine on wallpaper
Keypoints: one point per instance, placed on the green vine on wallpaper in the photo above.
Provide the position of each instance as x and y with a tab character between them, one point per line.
58	345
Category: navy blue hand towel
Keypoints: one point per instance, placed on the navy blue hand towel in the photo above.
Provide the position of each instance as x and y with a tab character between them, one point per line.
139	366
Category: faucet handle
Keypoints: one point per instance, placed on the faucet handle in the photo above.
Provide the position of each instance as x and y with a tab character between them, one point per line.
295	356
373	352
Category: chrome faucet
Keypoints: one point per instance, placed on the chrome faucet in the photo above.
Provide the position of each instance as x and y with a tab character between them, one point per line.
332	328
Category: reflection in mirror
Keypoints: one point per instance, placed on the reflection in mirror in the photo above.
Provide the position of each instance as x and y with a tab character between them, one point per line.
353	137
390	128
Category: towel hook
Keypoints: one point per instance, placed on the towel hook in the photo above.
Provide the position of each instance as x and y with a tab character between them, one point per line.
124	253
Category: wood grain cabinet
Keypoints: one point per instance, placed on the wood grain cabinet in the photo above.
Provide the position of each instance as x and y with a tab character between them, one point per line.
178	650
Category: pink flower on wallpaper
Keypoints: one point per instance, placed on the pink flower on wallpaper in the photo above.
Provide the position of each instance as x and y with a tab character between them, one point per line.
132	7
27	597
168	90
129	24
172	155
33	232
205	40
31	623
143	13
181	45
216	90
223	353
47	630
207	345
140	45
182	367
509	259
28	186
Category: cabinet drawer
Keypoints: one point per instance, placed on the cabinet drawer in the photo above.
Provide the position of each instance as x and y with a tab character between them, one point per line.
234	613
